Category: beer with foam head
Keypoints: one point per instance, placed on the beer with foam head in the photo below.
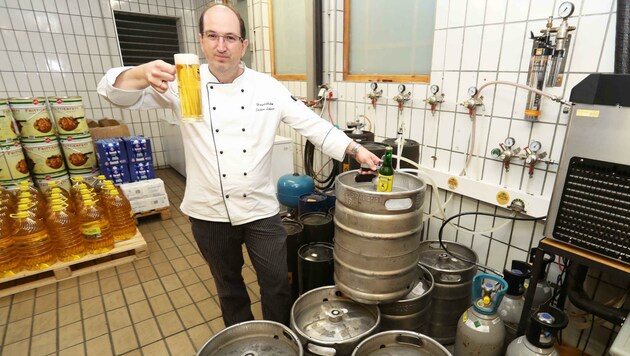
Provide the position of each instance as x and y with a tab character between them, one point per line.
188	84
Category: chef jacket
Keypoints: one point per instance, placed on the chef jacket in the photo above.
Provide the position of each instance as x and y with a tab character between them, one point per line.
228	155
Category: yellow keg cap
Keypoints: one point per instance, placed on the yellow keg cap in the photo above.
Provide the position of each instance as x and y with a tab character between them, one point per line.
486	300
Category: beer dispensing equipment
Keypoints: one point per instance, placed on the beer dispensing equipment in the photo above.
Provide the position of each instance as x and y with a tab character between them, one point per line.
375	94
549	54
434	100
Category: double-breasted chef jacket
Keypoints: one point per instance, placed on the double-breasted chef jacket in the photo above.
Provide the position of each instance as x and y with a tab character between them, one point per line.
228	155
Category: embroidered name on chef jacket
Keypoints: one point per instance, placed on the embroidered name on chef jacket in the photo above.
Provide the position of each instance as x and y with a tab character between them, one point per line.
265	106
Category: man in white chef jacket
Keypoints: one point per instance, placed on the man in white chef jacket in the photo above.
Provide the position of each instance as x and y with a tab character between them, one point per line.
230	195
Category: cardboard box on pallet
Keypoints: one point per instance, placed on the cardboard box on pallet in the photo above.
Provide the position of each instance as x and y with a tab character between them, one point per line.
138	149
148	204
143	189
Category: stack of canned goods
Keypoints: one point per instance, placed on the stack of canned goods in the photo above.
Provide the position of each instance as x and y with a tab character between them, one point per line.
13	164
74	136
48	138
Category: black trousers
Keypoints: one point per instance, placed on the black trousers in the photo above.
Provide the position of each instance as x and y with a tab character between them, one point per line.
265	239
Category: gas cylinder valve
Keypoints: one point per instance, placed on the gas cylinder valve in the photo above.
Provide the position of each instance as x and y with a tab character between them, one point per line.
375	94
505	152
435	99
402	97
474	100
531	156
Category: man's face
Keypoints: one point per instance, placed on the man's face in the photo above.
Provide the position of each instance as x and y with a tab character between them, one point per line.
221	42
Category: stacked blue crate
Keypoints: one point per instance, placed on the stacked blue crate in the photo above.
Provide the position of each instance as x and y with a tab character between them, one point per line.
112	159
140	157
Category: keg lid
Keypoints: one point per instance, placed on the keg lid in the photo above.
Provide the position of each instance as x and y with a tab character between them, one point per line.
439	259
316	252
335	320
315	218
292	227
419	290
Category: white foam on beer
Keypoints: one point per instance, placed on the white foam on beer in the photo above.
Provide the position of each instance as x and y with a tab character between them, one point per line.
186	58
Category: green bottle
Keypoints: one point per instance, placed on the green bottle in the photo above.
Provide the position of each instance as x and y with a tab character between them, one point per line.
386	172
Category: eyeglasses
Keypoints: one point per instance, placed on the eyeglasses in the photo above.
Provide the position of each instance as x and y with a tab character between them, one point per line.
229	38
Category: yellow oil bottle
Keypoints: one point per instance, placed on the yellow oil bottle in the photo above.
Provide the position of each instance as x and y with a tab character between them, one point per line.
34	203
34	246
98	183
36	194
63	228
9	259
95	228
120	216
67	203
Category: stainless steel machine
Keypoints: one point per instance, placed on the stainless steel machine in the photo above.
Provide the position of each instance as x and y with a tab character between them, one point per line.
590	206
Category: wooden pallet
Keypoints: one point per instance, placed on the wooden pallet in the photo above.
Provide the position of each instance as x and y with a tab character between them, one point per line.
122	253
165	213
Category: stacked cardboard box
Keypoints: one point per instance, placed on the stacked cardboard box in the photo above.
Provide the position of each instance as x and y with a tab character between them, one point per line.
125	159
146	195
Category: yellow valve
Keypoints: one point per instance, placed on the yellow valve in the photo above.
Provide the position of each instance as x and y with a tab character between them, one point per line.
486	300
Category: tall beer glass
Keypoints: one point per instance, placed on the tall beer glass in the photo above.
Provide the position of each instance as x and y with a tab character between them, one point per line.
189	86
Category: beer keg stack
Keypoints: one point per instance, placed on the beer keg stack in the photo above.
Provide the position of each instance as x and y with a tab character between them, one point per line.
44	140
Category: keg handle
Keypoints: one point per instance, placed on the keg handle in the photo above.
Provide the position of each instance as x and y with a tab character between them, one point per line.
321	350
451	278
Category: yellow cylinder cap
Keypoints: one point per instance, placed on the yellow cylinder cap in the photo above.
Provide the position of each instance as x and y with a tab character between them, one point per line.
113	192
25	194
55	201
88	202
77	179
82	186
84	191
22	207
86	196
25	201
20	215
55	190
56	207
52	184
101	177
486	300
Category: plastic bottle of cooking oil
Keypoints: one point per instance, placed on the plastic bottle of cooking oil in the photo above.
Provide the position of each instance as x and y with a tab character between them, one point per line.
67	202
9	260
54	187
34	246
77	184
95	228
8	203
98	183
63	228
120	216
37	195
27	204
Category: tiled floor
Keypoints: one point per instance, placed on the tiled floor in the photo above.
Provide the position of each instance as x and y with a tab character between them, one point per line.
165	304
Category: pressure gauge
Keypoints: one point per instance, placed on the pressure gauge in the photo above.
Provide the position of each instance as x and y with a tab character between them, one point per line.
472	91
509	142
566	9
434	89
401	88
373	85
535	146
